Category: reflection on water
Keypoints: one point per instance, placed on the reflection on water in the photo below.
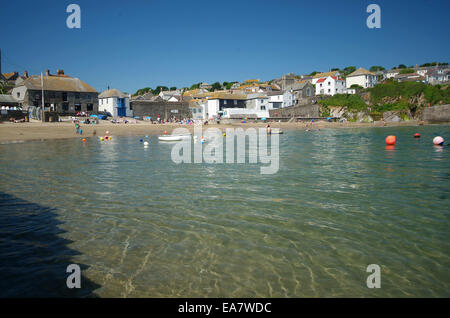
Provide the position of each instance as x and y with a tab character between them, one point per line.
144	226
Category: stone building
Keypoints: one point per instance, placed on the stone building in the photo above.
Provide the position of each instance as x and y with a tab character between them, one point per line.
62	94
159	107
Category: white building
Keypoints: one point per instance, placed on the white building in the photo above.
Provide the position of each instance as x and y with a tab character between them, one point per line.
391	73
320	76
361	77
275	100
289	98
226	104
115	102
330	86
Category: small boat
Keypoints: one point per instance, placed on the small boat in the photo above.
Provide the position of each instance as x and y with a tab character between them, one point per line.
277	131
173	137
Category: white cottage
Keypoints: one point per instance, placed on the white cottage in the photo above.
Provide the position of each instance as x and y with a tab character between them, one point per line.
115	102
361	77
330	86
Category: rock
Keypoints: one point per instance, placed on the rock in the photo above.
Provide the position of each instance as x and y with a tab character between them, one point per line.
338	111
391	116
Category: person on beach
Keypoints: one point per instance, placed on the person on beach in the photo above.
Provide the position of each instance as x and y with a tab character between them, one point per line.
77	128
268	129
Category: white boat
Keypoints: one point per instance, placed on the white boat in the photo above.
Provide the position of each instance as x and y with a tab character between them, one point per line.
174	137
276	131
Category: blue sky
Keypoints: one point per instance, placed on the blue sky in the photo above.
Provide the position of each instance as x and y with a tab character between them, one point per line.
134	44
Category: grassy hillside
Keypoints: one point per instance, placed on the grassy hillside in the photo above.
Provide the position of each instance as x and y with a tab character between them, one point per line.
392	96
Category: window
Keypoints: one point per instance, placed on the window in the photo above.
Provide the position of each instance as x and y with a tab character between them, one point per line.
37	96
77	95
18	94
320	84
308	92
224	102
64	96
329	83
235	102
263	107
329	90
51	95
90	107
77	107
65	106
131	106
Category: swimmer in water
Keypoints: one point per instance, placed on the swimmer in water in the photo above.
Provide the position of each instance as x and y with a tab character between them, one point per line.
268	129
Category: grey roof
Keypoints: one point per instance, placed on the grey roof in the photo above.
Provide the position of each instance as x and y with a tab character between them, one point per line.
58	83
112	93
274	93
297	86
7	99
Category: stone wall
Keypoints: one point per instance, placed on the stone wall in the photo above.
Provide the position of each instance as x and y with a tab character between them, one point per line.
311	110
166	110
436	113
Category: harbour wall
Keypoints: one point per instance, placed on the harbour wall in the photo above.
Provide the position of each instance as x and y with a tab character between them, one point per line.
437	113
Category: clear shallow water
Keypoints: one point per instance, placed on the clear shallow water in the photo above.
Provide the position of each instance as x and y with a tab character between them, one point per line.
142	226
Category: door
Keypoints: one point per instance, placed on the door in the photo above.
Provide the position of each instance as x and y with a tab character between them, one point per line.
121	110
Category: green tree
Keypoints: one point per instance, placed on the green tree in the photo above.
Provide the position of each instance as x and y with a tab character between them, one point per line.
173	88
215	87
402	66
160	89
407	71
376	68
433	64
142	91
195	86
228	86
349	70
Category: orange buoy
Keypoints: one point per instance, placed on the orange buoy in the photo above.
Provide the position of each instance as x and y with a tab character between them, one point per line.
390	140
165	132
84	139
416	135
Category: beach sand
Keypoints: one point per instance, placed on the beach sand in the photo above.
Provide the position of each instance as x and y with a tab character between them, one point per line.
10	132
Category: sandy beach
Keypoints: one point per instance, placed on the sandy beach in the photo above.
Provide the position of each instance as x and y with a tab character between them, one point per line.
14	132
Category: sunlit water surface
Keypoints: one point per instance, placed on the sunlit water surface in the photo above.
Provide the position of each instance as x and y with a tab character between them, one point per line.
142	226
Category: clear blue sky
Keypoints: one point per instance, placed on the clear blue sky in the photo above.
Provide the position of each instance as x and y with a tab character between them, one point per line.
134	44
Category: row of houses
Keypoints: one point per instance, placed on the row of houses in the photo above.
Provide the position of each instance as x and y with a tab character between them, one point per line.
70	95
438	74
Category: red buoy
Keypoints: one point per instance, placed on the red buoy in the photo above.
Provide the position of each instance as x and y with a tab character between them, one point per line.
165	132
390	140
416	135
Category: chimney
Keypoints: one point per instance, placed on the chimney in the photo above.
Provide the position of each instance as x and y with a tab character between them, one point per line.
60	72
47	72
25	74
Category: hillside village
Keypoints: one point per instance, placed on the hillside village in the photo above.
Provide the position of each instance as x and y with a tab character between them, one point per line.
350	94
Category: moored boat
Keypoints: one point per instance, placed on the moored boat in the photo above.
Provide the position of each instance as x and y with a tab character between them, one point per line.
174	137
